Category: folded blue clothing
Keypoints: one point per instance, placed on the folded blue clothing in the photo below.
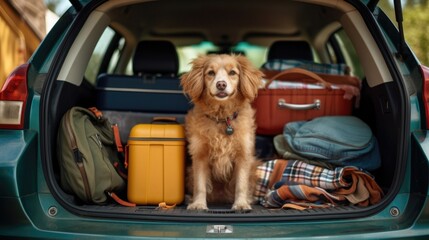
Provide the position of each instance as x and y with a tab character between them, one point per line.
339	140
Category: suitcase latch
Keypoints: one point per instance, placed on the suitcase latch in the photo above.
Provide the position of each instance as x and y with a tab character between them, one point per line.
219	229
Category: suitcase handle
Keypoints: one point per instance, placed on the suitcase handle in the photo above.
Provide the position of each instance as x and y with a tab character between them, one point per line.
164	120
283	104
296	74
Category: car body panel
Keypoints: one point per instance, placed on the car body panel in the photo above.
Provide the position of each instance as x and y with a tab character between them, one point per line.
48	219
18	151
64	225
30	210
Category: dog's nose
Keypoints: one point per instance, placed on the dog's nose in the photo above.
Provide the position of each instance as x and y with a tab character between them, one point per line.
221	85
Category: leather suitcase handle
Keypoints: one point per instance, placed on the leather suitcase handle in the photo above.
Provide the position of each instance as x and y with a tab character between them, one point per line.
283	104
164	120
299	72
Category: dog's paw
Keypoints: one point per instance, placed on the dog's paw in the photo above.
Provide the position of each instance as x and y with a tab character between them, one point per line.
241	206
197	206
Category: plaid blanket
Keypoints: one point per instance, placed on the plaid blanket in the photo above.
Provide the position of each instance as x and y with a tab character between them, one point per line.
296	184
282	64
324	68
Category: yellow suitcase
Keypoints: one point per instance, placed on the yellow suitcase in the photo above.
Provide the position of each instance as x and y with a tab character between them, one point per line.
156	164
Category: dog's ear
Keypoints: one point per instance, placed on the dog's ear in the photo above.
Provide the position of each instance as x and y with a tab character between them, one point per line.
193	81
250	78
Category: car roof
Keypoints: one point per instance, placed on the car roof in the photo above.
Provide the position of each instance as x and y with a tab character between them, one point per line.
189	22
225	23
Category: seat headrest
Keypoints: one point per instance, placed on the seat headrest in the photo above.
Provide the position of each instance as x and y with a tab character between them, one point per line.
155	57
296	50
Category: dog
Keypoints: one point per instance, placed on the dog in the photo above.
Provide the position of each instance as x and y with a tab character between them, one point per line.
220	130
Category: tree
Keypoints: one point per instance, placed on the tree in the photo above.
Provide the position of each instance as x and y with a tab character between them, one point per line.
416	28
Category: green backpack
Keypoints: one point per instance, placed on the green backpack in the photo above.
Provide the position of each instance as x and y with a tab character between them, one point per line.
88	155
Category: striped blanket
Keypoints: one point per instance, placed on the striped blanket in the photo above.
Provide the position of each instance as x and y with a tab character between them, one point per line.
331	68
299	185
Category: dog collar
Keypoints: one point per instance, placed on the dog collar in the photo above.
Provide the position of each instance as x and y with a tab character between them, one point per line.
229	129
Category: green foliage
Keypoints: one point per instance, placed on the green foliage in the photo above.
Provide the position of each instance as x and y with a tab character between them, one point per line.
416	25
416	28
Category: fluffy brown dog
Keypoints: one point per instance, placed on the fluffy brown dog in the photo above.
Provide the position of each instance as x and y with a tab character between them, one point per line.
221	129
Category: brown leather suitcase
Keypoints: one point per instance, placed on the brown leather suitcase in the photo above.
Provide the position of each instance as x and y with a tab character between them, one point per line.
276	107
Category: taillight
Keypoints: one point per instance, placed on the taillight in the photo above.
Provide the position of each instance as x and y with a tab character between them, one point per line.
425	73
13	98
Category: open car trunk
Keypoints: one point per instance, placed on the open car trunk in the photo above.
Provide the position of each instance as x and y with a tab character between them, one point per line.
381	103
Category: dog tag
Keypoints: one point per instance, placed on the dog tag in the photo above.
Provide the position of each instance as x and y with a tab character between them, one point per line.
229	130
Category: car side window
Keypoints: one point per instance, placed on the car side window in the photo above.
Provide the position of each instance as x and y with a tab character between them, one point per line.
105	56
341	50
406	65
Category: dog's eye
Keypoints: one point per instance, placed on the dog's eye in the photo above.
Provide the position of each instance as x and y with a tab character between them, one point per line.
232	73
211	73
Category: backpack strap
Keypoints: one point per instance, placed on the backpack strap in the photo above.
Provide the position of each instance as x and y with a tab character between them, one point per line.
120	201
164	206
96	112
118	142
126	157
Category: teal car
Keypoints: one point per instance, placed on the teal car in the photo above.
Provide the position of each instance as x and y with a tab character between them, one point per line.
99	38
